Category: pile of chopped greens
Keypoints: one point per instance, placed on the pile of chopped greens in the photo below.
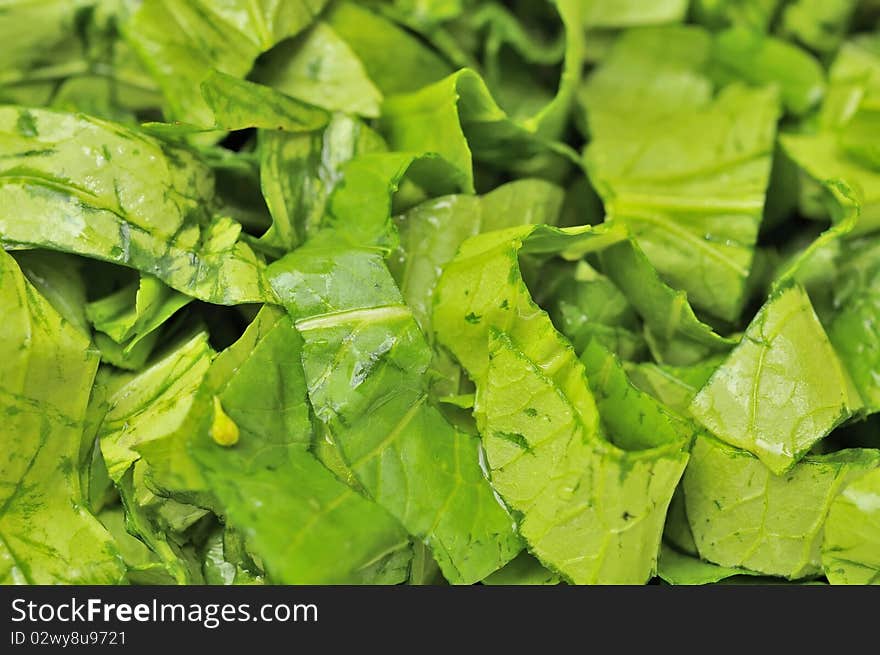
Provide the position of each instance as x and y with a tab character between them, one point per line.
439	291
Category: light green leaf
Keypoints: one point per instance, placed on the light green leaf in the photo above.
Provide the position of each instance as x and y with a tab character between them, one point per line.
742	515
673	332
82	185
689	202
458	117
51	29
674	386
812	265
678	569
133	314
693	205
423	12
592	509
854	330
851	549
821	157
161	523
677	530
138	409
827	152
226	560
664	71
755	14
740	53
517	50
365	360
821	25
424	570
587	305
431	233
395	60
71	58
782	389
47	534
359	210
299	172
152	403
144	566
238	104
628	13
319	68
181	41
858	138
58	277
269	486
582	496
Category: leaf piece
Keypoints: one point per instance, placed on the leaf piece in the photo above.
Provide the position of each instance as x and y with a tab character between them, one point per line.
319	68
742	515
47	534
688	202
97	189
678	569
582	495
851	549
364	359
181	41
768	396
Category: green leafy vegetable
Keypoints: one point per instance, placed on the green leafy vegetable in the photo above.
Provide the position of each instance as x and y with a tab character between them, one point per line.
298	173
587	305
744	54
540	425
47	534
626	13
81	185
854	331
523	570
742	515
827	151
128	320
433	292
852	533
820	26
689	203
364	359
674	386
673	332
395	60
151	404
678	569
432	232
321	69
266	482
769	399
756	14
182	41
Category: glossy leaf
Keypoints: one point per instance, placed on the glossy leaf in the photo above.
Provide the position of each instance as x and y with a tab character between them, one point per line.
582	494
82	185
742	515
182	41
688	202
770	399
852	533
364	359
47	534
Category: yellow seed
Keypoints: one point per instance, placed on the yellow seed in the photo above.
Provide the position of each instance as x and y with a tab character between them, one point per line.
224	431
